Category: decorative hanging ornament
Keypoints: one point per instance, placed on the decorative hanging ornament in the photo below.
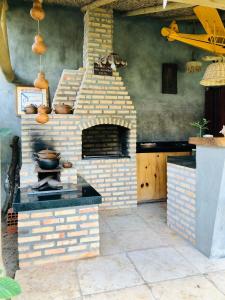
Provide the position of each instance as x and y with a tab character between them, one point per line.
37	13
193	66
41	82
39	46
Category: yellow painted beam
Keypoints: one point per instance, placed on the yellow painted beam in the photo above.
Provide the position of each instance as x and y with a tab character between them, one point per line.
156	9
219	4
96	4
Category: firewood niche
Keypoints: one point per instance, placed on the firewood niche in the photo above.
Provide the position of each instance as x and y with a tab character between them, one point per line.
47	179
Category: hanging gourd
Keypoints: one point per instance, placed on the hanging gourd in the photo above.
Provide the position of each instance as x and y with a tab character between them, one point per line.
41	82
39	46
42	118
37	12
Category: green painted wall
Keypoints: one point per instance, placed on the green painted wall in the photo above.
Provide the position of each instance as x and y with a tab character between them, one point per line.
160	117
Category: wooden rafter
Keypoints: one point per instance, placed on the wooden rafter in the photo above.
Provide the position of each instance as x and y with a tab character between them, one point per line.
219	4
157	9
185	18
96	4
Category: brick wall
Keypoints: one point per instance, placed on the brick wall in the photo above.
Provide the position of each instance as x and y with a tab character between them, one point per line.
57	235
181	200
68	87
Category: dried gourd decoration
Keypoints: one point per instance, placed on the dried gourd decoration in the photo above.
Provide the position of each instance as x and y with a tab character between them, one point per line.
39	46
37	13
41	82
42	118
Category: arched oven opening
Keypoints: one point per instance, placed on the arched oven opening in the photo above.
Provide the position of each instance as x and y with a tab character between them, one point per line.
105	141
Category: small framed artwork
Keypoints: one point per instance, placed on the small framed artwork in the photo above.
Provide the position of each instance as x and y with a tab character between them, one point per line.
26	95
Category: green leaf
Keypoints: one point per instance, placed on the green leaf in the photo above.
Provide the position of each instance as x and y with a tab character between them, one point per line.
8	288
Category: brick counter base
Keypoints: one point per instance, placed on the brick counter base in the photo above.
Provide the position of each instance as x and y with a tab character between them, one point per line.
181	200
58	234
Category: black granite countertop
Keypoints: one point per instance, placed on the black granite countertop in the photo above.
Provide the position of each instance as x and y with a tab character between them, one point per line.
173	146
70	195
185	161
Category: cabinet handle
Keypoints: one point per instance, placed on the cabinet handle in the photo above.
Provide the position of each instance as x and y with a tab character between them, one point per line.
142	185
147	184
155	175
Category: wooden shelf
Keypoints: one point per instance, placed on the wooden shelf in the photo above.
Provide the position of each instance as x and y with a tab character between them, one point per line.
210	142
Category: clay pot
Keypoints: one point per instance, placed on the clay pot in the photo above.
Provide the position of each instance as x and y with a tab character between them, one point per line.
37	13
43	109
67	165
39	46
63	109
30	109
42	118
47	154
48	164
40	82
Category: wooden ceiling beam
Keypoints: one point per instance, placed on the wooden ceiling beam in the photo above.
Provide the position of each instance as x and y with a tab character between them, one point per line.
219	4
157	9
185	18
96	4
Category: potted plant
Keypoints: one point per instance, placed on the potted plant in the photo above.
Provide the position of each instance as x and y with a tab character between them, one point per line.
201	125
8	287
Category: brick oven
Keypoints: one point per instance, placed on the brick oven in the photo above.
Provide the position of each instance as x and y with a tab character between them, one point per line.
100	137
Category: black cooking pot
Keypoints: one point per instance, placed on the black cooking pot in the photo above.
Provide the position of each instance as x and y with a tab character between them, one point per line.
47	164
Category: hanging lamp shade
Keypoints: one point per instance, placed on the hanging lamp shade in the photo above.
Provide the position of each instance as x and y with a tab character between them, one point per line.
214	75
193	66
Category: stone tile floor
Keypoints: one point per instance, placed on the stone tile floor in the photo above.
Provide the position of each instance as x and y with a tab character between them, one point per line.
141	259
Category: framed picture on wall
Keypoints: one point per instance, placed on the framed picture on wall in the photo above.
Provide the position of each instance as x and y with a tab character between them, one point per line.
26	95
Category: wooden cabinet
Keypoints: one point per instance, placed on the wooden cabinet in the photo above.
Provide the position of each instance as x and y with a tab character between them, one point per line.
151	175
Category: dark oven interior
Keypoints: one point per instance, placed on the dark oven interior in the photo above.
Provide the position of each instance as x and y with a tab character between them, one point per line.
105	141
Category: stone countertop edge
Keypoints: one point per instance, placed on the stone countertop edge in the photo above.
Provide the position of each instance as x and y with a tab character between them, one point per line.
184	161
163	147
38	205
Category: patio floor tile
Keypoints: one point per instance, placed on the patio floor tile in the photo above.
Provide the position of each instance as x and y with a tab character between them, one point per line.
161	264
139	239
218	278
134	293
107	273
200	261
126	222
153	210
191	288
109	244
103	226
49	282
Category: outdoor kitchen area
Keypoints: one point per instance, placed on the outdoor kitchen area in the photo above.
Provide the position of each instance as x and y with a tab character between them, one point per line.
112	152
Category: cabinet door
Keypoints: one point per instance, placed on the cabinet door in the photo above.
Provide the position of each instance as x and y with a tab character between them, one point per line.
151	176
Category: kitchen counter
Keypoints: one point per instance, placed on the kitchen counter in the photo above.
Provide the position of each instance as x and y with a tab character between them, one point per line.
59	225
70	195
176	146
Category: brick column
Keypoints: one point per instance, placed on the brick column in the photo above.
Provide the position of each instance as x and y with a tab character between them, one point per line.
98	33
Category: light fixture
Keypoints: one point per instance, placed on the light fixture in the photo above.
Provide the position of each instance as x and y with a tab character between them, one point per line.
193	66
214	74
